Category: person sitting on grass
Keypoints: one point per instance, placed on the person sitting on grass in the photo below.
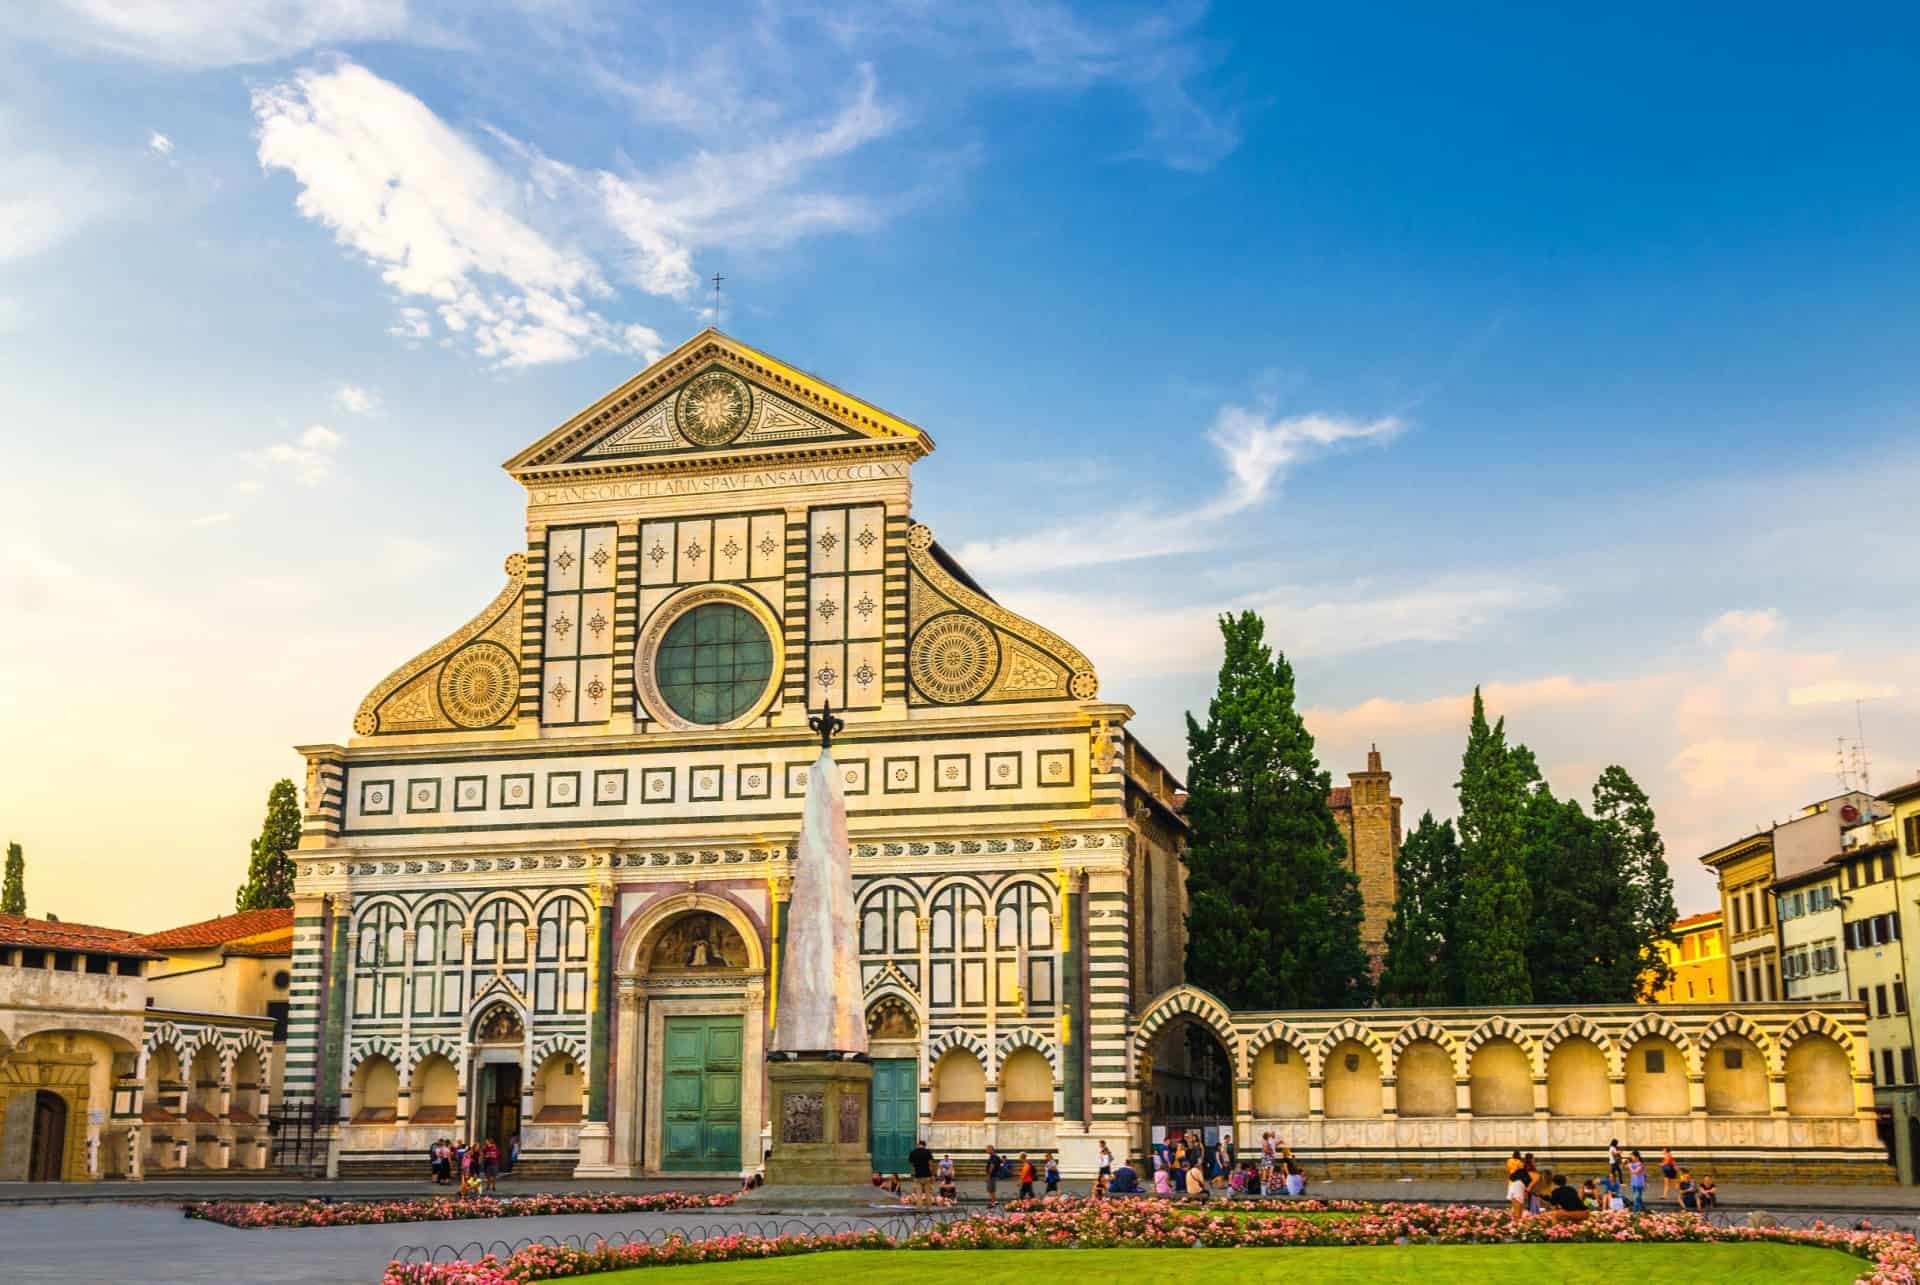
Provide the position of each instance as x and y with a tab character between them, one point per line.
1564	1202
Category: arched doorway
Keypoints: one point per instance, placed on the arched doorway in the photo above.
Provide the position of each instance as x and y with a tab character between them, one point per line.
499	1046
893	1040
47	1160
1188	1086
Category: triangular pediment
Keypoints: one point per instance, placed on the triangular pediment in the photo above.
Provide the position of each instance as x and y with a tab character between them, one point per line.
714	398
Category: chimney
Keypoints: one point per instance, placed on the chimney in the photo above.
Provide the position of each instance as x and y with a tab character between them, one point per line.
1373	758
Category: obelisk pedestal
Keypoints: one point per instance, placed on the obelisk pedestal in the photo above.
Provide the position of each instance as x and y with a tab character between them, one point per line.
817	1070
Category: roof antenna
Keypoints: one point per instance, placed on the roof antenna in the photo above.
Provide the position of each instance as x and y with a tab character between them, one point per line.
717	279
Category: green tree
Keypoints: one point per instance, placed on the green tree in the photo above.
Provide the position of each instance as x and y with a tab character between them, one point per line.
1495	897
13	894
270	872
1273	916
1422	968
1622	808
1574	943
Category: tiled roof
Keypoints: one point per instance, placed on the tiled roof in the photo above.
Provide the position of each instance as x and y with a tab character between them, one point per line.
282	944
1340	796
52	934
1693	921
218	932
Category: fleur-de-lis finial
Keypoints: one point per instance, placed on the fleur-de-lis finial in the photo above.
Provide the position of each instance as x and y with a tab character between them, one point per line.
826	724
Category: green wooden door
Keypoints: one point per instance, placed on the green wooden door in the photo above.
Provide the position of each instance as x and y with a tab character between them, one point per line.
896	1112
700	1101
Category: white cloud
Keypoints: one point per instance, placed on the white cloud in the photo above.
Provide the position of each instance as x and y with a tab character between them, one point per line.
44	197
356	400
1836	691
159	144
1742	627
1305	622
1258	449
434	214
212	33
308	459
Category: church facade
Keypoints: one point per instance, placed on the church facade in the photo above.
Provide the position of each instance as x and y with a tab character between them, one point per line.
541	890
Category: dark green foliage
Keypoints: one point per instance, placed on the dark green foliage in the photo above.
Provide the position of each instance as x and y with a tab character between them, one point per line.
1422	967
270	872
13	894
1620	806
1495	897
1274	912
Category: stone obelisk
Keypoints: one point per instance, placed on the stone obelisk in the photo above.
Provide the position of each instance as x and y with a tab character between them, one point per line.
817	1068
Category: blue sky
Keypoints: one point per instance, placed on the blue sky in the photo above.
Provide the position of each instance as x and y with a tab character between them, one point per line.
1568	356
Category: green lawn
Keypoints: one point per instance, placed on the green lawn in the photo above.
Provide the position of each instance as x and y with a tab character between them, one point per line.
1597	1264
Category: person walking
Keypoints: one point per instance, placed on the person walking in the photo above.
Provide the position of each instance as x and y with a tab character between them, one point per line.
1106	1163
490	1164
1669	1172
1615	1169
513	1154
1026	1177
1637	1182
1053	1174
993	1177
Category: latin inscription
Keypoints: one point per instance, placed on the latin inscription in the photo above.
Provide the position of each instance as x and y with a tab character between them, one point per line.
715	483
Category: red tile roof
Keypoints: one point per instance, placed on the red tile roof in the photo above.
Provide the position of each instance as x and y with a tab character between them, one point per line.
1692	920
1340	796
266	948
53	934
218	932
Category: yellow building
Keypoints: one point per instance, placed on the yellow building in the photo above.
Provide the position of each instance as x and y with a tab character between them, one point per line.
1745	870
1697	954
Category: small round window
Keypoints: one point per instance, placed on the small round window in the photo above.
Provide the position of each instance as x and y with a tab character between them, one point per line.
714	663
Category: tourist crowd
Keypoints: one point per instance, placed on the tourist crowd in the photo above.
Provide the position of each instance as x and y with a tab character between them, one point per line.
1533	1189
472	1167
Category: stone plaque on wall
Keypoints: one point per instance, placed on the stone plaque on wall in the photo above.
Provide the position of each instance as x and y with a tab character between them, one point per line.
803	1117
850	1113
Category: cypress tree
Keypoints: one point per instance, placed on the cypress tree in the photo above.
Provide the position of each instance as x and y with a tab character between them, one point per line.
270	871
1273	917
1422	968
1573	940
13	894
1621	807
1495	898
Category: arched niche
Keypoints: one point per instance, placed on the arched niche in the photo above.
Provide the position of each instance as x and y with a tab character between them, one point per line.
1577	1079
1736	1078
1280	1088
1819	1077
959	1086
1423	1081
1351	1082
1500	1079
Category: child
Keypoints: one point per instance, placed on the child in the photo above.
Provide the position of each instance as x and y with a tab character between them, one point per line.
1162	1184
1100	1185
1589	1195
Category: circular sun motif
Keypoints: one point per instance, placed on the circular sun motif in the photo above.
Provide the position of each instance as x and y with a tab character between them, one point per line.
954	658
713	409
478	686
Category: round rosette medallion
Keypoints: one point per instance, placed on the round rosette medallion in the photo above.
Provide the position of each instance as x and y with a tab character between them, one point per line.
479	685
954	658
713	408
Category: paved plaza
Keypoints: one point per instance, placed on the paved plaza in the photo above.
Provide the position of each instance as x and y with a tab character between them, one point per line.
60	1234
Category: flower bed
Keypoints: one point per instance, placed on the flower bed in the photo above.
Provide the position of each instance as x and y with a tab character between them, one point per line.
1084	1224
354	1213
